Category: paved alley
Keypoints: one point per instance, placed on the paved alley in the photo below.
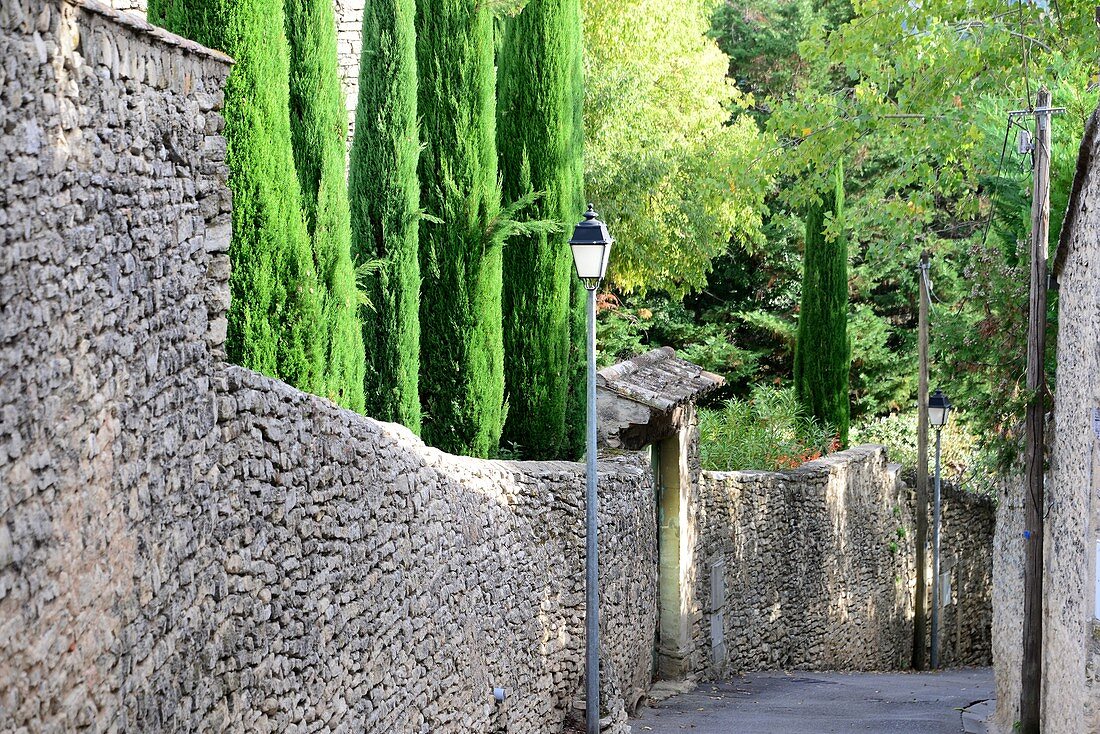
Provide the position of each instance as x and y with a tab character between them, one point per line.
823	703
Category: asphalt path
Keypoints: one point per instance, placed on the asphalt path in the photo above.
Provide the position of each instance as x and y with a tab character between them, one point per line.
822	703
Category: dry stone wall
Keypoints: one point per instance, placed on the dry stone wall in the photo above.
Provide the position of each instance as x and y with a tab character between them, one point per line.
1008	604
813	569
969	522
356	560
114	227
188	546
349	46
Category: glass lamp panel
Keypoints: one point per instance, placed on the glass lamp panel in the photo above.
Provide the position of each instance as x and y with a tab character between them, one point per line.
606	259
937	416
590	260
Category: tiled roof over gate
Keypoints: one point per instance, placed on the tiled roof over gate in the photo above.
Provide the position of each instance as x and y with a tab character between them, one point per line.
658	379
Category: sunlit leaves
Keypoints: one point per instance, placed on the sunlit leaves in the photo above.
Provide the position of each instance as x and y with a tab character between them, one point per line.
673	180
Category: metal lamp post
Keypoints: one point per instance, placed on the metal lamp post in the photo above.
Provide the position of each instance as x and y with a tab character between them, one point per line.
591	245
939	410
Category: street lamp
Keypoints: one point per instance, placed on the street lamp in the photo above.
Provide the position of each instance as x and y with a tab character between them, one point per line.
939	410
591	246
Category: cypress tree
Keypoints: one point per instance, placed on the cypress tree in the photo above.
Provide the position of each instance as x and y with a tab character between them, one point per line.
822	359
576	414
385	203
540	151
462	353
318	127
274	315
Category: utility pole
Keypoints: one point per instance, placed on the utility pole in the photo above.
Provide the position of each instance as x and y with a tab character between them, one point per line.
1034	502
920	612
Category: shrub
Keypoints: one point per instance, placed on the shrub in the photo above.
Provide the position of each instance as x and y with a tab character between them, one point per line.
964	462
768	431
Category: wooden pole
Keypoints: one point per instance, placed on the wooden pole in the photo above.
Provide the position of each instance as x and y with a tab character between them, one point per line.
920	611
1032	669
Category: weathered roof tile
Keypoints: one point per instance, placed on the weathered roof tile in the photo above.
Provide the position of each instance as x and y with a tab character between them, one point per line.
658	379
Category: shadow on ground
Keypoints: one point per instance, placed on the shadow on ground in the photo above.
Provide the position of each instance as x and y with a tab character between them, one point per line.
823	703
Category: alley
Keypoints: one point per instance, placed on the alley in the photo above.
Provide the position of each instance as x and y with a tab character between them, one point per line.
823	703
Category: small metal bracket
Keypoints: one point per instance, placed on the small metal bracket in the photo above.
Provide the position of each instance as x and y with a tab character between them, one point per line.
1096	422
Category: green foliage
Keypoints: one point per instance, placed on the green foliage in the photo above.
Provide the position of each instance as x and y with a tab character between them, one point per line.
768	431
882	375
318	127
275	316
385	211
632	327
675	182
981	342
761	38
965	461
539	138
912	98
822	357
462	354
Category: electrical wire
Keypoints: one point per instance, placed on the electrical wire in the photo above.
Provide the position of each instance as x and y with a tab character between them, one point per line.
993	198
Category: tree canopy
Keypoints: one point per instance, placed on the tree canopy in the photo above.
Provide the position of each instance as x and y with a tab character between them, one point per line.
674	178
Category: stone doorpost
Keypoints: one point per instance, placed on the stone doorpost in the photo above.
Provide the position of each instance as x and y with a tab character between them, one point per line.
677	476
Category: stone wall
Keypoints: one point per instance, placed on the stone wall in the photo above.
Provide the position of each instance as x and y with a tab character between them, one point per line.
1071	700
356	560
813	569
114	231
1008	604
969	523
186	545
349	46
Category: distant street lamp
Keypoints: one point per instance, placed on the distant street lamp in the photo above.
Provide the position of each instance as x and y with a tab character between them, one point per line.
591	246
939	410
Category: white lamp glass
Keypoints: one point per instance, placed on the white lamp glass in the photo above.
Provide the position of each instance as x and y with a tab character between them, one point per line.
590	260
939	409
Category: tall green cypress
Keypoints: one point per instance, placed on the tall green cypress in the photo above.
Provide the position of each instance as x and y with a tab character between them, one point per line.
462	352
318	127
822	359
275	312
540	151
385	204
575	412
